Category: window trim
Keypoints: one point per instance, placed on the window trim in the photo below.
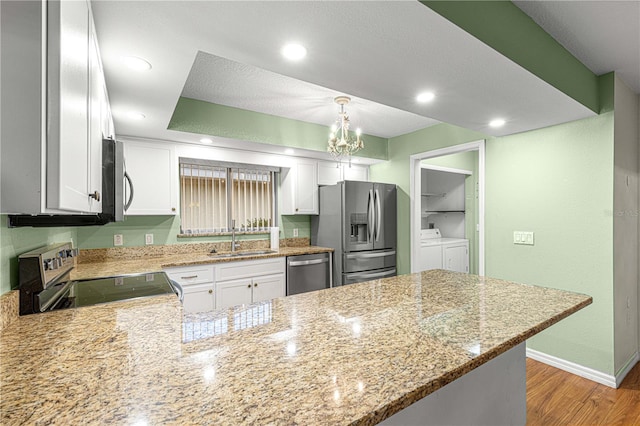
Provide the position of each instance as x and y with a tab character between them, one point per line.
230	166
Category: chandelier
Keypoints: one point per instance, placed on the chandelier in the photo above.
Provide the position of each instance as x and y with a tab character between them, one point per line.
340	142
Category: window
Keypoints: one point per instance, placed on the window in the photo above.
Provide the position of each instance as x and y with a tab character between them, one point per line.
213	194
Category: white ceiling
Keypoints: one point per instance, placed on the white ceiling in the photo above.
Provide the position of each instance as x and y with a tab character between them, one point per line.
603	35
380	53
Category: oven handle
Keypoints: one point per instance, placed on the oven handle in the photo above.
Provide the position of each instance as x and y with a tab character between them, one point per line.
56	298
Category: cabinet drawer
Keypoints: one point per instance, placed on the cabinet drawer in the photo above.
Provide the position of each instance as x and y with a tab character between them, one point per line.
250	268
191	274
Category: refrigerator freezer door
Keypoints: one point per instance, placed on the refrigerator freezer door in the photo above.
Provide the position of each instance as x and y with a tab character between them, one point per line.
358	216
358	277
386	216
366	261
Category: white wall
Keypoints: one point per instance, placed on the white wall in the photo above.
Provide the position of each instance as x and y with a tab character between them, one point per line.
625	225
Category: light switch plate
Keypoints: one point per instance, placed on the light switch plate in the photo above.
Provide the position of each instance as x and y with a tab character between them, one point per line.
118	239
148	239
523	237
295	232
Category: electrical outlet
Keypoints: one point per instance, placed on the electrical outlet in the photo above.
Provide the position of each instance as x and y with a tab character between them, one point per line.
295	232
118	240
148	239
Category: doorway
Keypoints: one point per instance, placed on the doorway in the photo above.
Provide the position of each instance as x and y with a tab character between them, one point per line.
416	190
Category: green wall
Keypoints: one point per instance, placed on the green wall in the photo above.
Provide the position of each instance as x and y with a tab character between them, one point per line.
206	118
556	182
165	230
15	241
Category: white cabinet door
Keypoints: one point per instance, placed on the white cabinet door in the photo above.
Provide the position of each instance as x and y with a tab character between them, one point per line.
329	173
306	190
153	170
299	189
198	298
68	73
456	257
97	104
355	173
232	293
430	257
268	287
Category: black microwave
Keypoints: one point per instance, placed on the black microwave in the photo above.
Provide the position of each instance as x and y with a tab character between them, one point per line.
117	195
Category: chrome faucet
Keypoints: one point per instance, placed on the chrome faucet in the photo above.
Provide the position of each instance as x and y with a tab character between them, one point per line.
234	245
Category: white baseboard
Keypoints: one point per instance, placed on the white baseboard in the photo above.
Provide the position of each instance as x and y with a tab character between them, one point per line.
627	367
577	369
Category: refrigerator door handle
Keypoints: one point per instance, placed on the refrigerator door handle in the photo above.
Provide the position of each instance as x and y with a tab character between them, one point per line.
370	255
370	216
390	272
378	214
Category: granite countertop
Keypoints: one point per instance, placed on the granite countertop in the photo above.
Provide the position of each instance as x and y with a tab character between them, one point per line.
146	263
349	355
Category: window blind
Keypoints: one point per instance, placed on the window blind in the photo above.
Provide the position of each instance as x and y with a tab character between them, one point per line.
212	196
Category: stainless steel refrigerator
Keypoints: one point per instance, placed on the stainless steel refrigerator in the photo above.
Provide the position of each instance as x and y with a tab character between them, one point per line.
358	220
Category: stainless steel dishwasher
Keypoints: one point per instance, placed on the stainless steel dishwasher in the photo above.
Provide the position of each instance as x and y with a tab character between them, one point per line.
308	272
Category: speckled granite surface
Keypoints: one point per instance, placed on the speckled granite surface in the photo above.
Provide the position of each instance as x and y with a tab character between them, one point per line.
349	355
9	307
139	252
150	263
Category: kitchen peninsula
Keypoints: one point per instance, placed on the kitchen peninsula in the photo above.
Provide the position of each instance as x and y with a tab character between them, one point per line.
356	354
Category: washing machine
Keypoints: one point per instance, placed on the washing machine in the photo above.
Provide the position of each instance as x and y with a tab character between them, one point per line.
437	252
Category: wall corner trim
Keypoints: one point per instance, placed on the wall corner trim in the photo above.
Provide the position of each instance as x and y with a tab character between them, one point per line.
627	367
577	369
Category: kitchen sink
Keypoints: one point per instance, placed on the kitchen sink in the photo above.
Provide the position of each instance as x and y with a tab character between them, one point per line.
241	253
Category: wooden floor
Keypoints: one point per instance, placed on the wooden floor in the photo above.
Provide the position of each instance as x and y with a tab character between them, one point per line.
555	397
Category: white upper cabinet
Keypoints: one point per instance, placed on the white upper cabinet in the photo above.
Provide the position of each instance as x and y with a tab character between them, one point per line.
153	168
360	173
330	173
299	188
51	139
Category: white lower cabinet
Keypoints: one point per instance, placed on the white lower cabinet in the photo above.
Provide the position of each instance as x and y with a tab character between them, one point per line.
456	257
197	286
198	298
452	256
249	282
222	285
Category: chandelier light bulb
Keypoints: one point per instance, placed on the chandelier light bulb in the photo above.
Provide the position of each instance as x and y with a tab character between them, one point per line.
340	142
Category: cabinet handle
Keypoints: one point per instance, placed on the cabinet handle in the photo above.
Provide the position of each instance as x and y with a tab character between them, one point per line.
95	195
296	209
210	291
255	285
173	209
190	277
249	286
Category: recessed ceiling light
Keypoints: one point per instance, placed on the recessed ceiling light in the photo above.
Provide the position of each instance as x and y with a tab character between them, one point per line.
206	140
294	51
134	115
289	151
498	122
425	97
136	63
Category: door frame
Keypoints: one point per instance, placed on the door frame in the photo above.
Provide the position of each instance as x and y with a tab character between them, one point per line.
415	191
